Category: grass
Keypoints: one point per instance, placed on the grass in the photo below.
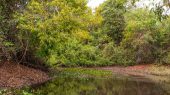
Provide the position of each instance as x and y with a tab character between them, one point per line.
81	73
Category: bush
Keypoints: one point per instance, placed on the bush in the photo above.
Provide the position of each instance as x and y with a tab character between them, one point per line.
118	55
161	41
74	53
166	59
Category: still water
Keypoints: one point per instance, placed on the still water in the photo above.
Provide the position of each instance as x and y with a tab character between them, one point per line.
103	86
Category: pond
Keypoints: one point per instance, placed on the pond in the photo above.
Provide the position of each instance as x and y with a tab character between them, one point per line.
92	86
114	85
74	83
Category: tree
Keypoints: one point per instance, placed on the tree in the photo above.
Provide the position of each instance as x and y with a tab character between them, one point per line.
8	29
113	19
141	25
58	31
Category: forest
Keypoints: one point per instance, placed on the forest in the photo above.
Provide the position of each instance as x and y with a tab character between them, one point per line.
54	34
68	33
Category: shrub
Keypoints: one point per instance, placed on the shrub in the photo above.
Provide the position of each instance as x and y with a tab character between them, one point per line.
162	41
75	53
118	55
166	59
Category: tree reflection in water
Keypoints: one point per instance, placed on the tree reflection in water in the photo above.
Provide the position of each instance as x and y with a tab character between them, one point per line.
105	86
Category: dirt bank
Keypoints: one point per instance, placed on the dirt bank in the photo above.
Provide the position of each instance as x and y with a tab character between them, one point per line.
16	75
140	70
130	70
156	73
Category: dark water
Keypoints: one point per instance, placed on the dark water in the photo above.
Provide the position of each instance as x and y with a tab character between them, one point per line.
103	86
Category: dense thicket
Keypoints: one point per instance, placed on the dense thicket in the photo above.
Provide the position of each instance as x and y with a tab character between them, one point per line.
113	23
7	28
58	32
66	32
11	46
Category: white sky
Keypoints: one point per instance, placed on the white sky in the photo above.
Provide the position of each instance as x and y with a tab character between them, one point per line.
142	3
95	3
147	3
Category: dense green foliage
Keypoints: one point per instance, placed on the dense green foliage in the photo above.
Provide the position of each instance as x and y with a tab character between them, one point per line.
113	19
138	34
6	26
67	33
60	28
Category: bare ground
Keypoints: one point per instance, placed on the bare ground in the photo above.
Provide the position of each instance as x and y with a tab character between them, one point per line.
14	75
156	73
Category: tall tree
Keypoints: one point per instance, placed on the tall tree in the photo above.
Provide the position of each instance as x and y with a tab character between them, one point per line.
58	27
7	27
113	19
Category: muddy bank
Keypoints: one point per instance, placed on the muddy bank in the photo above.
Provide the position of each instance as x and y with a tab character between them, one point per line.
139	70
156	73
14	75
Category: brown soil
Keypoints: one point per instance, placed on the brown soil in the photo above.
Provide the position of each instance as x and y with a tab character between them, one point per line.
155	73
14	75
138	70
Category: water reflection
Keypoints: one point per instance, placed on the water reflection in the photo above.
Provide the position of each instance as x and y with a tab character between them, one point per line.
94	86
